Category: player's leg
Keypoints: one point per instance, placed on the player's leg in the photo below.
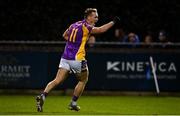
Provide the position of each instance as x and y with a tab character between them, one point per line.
83	78
60	77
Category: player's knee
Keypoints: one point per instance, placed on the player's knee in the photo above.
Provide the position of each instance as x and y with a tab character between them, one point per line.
85	80
56	82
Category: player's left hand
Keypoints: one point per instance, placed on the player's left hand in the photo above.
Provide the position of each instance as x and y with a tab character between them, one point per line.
116	19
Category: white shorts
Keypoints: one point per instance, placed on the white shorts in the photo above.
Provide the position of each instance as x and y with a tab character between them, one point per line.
73	65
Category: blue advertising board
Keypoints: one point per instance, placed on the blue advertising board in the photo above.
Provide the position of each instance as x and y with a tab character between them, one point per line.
108	71
132	72
21	70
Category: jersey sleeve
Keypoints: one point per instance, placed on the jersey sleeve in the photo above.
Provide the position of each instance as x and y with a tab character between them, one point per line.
89	27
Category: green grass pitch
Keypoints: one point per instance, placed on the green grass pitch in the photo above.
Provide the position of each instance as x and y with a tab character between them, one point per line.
91	105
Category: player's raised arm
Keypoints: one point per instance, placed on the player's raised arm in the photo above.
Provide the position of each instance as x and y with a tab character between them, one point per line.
102	29
105	27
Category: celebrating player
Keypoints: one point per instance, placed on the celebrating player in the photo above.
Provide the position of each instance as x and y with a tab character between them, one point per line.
73	58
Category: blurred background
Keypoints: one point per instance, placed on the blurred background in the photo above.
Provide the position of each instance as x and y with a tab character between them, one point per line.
31	44
47	20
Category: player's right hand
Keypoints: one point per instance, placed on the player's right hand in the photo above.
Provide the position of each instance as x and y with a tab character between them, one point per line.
116	19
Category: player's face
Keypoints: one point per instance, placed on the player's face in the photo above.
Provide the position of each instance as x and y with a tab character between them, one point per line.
93	18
